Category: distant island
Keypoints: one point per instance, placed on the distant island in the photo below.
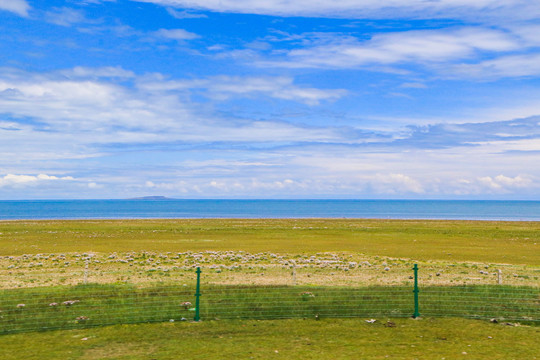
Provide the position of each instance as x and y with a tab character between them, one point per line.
152	198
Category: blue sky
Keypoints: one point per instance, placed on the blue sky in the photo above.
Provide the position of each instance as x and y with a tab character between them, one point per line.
270	99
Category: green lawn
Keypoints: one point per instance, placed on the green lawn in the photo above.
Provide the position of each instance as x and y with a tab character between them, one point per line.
283	339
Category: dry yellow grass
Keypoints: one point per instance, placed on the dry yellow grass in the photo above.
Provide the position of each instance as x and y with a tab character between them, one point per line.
239	267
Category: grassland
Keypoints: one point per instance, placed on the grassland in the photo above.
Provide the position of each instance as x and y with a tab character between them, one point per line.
282	339
144	257
452	241
48	253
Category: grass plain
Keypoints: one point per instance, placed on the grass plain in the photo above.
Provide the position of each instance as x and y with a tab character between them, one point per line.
282	339
237	251
456	241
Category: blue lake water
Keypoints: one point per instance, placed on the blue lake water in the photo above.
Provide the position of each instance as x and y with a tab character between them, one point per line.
368	209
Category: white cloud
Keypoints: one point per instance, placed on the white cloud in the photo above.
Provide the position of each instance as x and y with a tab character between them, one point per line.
414	85
395	184
501	146
517	181
473	53
87	2
528	33
19	7
265	185
503	184
66	16
80	113
184	14
102	72
234	187
505	66
494	185
224	163
13	180
509	9
175	187
44	110
426	172
307	183
82	104
224	87
175	34
418	46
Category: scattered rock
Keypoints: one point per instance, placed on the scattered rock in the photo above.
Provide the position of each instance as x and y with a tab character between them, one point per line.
186	304
70	302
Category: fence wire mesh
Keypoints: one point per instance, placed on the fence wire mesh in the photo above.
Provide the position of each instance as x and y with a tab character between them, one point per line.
65	291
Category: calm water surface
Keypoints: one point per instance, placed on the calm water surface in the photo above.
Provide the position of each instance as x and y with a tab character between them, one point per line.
368	209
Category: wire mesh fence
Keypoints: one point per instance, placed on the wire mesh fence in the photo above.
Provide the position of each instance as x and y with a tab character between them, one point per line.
274	302
513	303
121	289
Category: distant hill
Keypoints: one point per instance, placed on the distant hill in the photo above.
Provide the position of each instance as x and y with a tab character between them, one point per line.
152	198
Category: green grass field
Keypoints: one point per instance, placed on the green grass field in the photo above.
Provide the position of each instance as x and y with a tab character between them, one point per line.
455	241
282	339
352	267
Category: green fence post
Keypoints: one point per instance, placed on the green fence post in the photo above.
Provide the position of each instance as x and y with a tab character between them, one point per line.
416	291
197	295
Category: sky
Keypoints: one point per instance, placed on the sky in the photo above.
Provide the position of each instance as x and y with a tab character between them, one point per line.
280	99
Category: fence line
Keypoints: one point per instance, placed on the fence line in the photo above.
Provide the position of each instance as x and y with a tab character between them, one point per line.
89	305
